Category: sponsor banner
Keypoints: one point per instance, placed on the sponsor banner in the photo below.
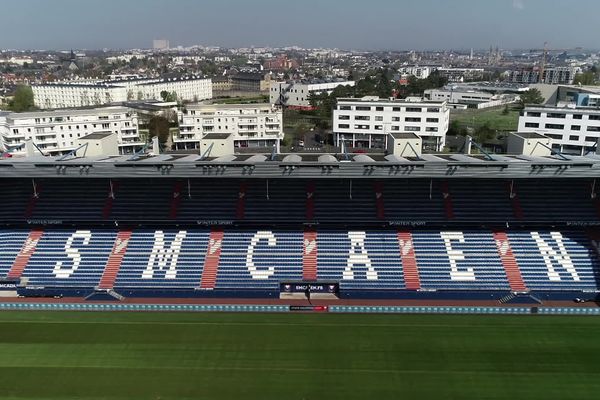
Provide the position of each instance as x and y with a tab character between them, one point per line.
8	286
310	308
313	287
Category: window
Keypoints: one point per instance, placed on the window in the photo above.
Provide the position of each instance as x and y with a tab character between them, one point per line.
593	128
591	139
347	108
413	109
594	117
412	119
363	108
433	120
574	138
361	126
577	116
532	125
396	109
396	119
556	115
431	129
378	108
15	131
554	126
575	127
412	128
395	128
378	118
105	126
343	126
344	117
431	109
378	127
533	114
362	117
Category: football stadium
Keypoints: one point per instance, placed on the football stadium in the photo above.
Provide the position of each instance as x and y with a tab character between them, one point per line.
300	276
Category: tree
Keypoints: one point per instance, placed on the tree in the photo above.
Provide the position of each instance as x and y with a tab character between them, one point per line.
159	126
532	96
586	78
456	129
168	96
22	100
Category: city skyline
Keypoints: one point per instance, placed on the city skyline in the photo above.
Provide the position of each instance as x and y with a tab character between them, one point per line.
380	25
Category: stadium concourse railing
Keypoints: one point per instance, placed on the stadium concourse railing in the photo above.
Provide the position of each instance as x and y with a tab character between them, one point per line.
397	201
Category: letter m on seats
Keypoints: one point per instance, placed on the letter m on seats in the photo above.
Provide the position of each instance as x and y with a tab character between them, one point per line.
163	257
555	256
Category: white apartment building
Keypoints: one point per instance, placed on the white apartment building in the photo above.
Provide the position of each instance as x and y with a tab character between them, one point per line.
574	130
460	74
367	122
251	125
85	93
58	132
457	96
420	72
296	93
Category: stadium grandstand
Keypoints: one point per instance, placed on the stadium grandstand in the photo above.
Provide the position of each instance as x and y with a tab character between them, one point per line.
351	226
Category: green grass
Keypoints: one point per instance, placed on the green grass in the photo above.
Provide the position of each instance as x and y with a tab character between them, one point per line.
492	116
64	355
243	100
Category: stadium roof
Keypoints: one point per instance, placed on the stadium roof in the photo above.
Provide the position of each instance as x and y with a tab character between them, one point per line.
305	165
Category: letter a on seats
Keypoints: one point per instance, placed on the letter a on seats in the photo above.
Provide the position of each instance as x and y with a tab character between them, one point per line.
357	255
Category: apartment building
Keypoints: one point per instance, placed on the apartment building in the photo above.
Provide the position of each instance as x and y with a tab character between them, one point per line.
86	93
457	96
573	130
550	75
367	122
58	132
418	71
251	125
296	94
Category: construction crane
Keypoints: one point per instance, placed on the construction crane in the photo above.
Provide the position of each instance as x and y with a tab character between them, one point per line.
543	64
545	52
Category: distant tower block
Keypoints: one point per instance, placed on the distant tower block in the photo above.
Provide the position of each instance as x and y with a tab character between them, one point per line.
160	44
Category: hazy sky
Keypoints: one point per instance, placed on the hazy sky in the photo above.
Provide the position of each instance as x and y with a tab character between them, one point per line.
349	24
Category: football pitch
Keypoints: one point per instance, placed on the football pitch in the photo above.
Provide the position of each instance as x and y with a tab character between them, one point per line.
68	355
